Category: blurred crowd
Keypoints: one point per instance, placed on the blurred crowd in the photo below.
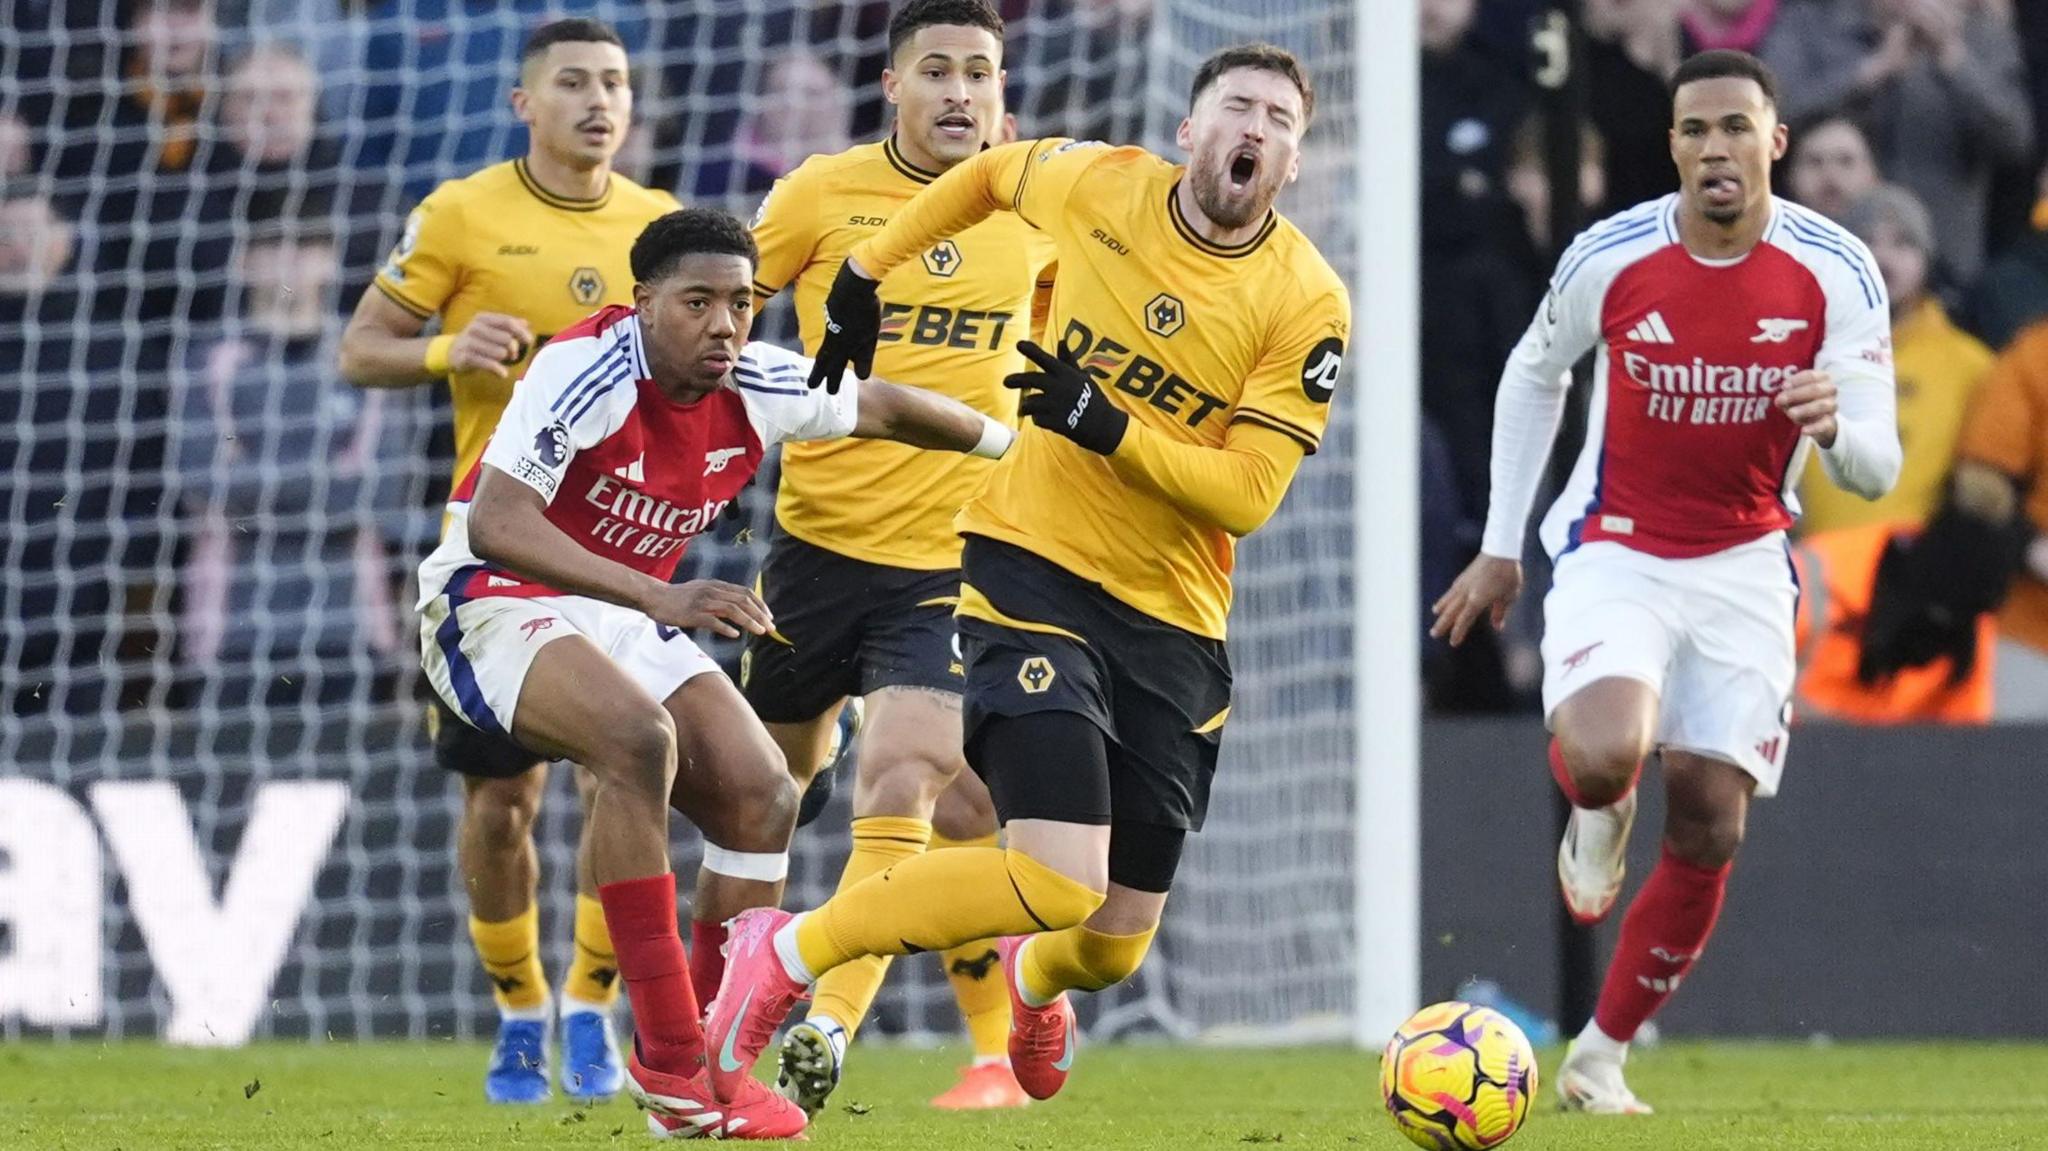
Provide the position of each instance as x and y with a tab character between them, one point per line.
1920	126
194	192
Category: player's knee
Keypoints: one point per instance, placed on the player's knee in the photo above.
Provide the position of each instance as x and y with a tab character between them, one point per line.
1603	765
1705	840
1709	842
1111	959
586	785
964	812
639	754
755	806
500	814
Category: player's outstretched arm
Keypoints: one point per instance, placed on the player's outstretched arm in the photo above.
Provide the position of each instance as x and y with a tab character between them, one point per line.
954	202
382	346
925	419
508	526
949	205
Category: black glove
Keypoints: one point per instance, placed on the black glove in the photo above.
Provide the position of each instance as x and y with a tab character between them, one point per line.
853	320
1063	399
1930	591
1908	627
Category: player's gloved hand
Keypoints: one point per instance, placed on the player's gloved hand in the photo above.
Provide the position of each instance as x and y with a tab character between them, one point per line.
1931	589
853	321
1909	627
1063	399
723	607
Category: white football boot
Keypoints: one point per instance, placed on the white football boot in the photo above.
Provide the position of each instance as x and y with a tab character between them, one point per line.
1590	1080
1593	858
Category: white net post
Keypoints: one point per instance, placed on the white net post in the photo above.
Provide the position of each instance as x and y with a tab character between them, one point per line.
1385	367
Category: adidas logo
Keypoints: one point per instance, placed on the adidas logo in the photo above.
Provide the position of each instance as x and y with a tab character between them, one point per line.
1652	330
635	472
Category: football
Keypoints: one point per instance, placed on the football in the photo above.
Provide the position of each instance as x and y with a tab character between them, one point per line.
1458	1078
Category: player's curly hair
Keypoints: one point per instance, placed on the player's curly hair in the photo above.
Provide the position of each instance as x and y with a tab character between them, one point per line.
689	232
1263	57
926	13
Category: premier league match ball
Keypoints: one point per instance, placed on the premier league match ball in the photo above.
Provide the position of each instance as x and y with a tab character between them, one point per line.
1458	1078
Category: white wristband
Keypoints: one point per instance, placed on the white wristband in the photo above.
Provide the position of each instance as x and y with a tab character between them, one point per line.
996	438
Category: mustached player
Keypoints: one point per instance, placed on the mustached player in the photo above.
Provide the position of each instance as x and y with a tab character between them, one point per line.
1734	333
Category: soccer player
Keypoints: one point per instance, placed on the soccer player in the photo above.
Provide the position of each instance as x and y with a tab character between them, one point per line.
1200	338
548	615
506	257
1733	334
864	569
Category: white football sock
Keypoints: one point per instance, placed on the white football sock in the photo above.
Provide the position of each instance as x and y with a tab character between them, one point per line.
1597	1043
792	958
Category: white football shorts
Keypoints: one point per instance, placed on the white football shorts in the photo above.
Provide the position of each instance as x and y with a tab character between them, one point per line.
477	655
1712	636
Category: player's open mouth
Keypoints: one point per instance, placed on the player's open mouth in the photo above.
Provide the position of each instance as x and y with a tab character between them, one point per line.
957	125
1720	186
1244	165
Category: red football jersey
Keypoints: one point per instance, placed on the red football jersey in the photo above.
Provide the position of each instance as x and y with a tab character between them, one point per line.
1686	451
627	472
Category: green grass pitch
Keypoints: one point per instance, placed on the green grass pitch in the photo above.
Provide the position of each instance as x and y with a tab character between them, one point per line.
138	1097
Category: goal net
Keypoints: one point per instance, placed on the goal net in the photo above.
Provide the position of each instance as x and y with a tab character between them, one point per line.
218	815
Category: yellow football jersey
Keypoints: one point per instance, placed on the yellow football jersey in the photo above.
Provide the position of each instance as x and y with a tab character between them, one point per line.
1190	339
495	241
951	320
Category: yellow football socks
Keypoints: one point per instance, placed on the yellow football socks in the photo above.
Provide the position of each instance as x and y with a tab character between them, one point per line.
510	951
879	842
594	971
939	899
1078	959
976	973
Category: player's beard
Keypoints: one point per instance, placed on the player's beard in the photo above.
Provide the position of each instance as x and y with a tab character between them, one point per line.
1211	179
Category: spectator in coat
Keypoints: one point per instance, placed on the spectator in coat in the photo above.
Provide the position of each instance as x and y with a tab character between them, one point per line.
1938	365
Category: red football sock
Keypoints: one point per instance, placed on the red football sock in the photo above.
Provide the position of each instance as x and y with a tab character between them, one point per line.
707	958
1563	776
642	916
1661	936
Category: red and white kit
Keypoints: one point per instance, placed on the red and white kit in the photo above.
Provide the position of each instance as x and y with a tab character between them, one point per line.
1669	539
630	475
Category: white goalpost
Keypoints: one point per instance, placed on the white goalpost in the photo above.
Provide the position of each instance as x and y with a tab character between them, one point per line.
1385	379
